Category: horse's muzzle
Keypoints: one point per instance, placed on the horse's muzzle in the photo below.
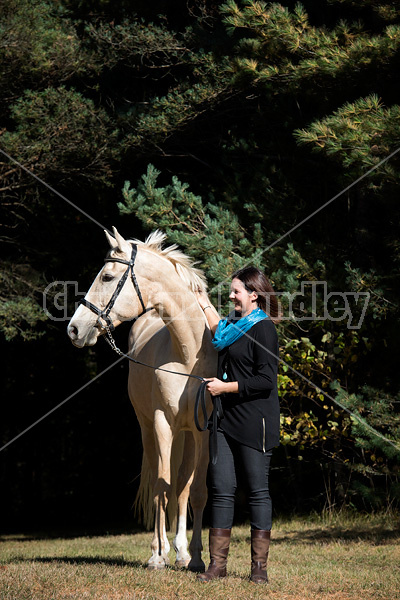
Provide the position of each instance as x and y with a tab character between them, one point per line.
80	340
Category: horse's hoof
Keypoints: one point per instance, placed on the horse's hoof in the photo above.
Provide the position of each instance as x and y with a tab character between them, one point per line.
157	565
196	568
182	564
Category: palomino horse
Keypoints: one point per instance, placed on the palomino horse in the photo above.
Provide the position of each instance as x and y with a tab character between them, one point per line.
137	277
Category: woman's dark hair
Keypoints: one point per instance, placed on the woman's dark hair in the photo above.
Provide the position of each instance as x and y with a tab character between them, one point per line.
254	280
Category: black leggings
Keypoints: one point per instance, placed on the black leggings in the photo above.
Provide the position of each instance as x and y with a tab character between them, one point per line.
233	456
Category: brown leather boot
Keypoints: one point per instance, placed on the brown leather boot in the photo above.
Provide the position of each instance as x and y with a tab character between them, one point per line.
259	555
219	548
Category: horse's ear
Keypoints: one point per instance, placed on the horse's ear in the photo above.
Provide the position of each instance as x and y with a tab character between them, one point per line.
123	245
112	241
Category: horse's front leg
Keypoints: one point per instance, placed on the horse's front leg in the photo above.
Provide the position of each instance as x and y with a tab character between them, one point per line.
184	481
162	488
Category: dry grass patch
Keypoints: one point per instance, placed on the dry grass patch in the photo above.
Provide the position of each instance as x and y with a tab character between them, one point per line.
341	559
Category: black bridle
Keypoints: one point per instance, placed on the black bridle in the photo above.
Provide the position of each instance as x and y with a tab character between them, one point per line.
104	314
109	327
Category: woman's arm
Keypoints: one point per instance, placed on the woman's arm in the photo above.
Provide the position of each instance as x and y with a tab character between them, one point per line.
211	314
215	386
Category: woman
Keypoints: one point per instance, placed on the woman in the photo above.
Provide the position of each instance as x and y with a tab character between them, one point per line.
248	427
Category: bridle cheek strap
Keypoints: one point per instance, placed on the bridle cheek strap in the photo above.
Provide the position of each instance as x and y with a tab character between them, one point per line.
104	314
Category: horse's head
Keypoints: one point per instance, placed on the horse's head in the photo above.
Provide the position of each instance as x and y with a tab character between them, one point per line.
114	296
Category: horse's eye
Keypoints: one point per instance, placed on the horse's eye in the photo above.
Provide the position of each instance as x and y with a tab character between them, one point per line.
107	277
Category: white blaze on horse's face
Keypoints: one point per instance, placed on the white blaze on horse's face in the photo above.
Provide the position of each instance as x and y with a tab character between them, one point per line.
85	325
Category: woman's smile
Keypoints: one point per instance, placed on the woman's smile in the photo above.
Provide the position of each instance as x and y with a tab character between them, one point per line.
243	300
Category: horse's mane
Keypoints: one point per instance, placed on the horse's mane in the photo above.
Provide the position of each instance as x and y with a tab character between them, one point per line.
184	265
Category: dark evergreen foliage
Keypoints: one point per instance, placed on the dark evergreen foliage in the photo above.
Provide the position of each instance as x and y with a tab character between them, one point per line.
225	125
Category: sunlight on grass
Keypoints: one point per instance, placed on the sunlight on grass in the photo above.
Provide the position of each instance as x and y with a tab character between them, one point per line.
342	558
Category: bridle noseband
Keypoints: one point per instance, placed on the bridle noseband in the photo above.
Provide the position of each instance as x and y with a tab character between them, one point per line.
104	314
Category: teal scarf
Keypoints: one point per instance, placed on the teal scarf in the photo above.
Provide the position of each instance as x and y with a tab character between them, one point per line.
228	330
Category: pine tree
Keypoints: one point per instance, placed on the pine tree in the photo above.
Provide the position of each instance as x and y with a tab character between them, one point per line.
312	365
254	115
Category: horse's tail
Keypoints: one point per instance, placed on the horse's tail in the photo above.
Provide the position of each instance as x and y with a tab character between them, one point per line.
144	504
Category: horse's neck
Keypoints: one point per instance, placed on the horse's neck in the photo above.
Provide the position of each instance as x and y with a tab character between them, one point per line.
182	315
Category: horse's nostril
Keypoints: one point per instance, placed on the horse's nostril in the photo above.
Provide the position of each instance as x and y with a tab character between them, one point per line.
72	331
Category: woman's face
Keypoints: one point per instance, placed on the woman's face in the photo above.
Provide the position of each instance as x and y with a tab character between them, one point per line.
244	302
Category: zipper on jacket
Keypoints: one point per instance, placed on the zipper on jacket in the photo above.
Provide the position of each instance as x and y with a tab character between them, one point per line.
263	435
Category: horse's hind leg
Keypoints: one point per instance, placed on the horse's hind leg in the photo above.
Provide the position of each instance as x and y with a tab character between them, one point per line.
198	498
184	481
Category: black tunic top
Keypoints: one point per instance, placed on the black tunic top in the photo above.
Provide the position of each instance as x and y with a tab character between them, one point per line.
252	416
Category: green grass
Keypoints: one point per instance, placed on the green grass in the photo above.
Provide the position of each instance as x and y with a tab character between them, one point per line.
344	558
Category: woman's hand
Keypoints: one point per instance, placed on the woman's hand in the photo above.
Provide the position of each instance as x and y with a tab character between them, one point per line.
209	311
202	299
216	387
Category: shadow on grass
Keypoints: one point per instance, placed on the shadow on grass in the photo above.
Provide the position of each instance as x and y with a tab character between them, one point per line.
375	535
61	534
86	560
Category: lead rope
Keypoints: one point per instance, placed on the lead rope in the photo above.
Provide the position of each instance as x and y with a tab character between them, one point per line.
200	396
